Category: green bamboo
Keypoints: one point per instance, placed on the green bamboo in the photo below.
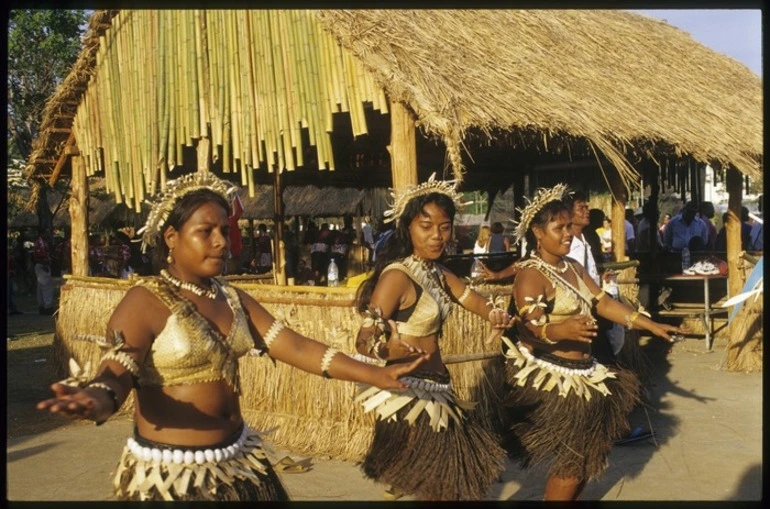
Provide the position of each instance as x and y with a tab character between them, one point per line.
233	79
192	62
201	47
245	94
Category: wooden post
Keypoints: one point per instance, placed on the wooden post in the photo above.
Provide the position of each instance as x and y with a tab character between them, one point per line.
279	264
403	147
79	217
734	182
619	199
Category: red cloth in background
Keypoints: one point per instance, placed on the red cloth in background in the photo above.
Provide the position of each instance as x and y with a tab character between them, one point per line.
236	239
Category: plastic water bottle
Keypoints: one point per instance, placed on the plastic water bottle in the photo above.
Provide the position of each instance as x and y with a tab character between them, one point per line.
476	269
685	259
333	275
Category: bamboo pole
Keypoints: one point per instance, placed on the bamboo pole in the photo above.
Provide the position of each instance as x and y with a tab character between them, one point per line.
619	199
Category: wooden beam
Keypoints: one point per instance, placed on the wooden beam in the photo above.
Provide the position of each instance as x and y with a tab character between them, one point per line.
62	159
60	130
71	150
403	146
78	209
279	263
618	213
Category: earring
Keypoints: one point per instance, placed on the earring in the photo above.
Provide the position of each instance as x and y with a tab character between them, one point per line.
170	257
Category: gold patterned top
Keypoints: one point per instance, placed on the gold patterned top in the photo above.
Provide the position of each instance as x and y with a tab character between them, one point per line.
189	350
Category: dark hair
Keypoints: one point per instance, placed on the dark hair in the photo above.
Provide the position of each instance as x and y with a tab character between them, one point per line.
549	211
183	209
570	199
399	244
497	227
595	218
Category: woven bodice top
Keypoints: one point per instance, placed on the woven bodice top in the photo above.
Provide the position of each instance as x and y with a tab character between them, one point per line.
189	350
565	303
433	304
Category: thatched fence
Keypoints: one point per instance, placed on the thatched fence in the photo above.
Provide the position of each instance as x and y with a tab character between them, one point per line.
304	413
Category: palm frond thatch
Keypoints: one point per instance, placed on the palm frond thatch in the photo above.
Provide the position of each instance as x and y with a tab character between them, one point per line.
627	84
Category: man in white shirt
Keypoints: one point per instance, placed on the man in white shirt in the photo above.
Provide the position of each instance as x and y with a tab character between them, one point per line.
579	250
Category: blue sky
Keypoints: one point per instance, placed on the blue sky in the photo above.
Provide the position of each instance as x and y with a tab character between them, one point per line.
736	33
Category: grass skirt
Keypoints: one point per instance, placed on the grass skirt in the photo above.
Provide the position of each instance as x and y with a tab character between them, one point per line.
568	412
246	475
428	447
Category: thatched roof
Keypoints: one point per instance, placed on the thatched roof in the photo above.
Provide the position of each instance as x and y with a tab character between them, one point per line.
305	201
627	84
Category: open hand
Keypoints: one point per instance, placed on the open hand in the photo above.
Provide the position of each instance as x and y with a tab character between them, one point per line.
74	403
666	331
389	376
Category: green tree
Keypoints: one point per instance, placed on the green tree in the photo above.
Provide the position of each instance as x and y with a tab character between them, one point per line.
43	45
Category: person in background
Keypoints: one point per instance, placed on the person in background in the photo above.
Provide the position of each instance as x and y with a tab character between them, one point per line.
756	240
304	276
591	233
45	287
745	228
263	252
367	238
338	251
645	233
662	227
482	241
605	234
498	242
11	271
630	228
319	253
706	214
174	340
683	227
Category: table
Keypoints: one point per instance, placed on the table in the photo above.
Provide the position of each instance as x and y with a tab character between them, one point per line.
707	309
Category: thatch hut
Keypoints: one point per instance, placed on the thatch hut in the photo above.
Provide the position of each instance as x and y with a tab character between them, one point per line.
383	97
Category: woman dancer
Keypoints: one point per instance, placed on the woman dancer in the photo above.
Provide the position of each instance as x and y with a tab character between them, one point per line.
176	339
424	443
562	404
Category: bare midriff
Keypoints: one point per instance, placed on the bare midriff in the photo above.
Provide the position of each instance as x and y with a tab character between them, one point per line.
200	414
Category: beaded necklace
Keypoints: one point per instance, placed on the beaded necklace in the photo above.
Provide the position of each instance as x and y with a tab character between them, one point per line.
211	293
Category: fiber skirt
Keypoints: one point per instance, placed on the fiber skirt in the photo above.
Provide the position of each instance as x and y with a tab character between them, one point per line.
426	445
236	470
563	411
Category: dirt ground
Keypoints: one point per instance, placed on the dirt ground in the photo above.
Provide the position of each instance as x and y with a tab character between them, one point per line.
708	443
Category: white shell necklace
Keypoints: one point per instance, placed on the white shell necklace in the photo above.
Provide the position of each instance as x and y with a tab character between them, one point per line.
554	267
211	293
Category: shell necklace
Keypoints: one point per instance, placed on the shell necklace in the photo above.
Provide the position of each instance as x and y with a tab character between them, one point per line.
211	293
554	267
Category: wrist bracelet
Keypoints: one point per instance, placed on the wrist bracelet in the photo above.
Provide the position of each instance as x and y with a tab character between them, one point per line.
326	361
630	319
543	336
110	392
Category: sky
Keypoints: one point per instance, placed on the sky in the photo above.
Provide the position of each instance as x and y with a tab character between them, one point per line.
736	33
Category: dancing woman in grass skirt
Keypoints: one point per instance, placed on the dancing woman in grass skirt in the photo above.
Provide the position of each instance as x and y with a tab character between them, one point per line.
562	406
426	443
175	339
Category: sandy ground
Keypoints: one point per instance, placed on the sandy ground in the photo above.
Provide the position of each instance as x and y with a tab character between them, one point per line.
708	446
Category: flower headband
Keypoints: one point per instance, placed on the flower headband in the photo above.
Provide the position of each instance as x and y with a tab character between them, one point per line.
164	202
400	199
542	197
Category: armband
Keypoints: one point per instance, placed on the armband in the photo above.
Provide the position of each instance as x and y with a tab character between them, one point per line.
463	296
273	332
543	335
123	359
326	361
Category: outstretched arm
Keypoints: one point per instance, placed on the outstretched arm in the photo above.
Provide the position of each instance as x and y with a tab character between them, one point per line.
476	303
103	395
288	346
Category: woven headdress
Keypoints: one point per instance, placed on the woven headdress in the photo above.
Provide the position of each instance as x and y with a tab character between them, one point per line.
542	197
401	198
164	201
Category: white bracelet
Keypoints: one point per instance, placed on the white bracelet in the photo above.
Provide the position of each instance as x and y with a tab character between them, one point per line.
273	332
463	296
327	361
